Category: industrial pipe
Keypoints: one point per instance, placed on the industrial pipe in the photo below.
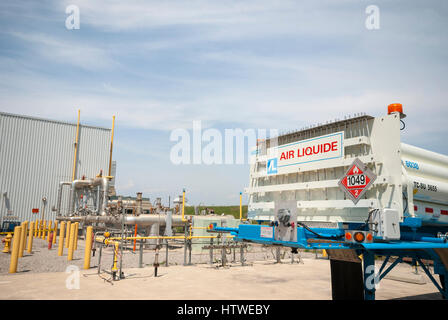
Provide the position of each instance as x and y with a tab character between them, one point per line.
76	146
161	237
59	202
138	202
241	206
142	220
78	184
183	206
111	145
135	234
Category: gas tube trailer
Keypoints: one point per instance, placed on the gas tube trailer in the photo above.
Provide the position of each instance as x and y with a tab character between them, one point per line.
353	188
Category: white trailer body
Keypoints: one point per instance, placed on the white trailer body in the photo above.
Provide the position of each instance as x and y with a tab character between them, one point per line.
306	166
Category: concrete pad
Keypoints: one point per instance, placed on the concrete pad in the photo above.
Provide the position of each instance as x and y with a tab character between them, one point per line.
263	280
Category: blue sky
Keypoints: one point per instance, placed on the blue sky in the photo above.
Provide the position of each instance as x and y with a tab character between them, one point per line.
159	65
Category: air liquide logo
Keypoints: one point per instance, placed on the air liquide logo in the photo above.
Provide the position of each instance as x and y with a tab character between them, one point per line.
272	166
306	152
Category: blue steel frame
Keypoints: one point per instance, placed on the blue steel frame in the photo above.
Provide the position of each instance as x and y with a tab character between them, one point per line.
416	242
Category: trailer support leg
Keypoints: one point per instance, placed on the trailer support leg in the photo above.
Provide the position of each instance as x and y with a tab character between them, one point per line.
369	275
382	275
443	292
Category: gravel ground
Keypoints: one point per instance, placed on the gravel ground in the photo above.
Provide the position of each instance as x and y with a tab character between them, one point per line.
44	260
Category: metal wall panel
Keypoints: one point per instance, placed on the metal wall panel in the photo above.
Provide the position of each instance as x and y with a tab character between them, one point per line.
36	154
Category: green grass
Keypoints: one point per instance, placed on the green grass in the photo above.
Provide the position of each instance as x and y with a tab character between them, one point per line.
233	210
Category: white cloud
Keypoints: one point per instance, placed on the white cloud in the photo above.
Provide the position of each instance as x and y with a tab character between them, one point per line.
83	55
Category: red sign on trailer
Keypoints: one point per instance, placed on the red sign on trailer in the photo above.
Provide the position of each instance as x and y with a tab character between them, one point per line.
35	210
357	180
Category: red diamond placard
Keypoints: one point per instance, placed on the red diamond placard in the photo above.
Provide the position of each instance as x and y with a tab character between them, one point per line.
357	180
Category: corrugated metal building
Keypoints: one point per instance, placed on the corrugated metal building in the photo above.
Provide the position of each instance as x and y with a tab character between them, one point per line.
36	154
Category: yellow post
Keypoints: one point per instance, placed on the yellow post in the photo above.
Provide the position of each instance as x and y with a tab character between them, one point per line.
241	205
36	227
75	247
114	267
111	145
61	239
55	234
39	234
30	238
15	249
44	229
23	238
49	230
71	245
67	233
183	205
76	146
88	249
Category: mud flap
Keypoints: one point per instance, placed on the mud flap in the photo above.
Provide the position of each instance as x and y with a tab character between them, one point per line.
346	275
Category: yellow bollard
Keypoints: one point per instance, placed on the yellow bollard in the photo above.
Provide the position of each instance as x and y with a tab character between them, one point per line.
76	236
36	227
44	229
61	239
41	228
241	206
49	230
71	245
55	234
324	253
23	238
15	249
114	267
30	238
67	233
183	205
88	248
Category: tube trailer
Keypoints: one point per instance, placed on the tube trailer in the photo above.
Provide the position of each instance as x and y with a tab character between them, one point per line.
353	188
